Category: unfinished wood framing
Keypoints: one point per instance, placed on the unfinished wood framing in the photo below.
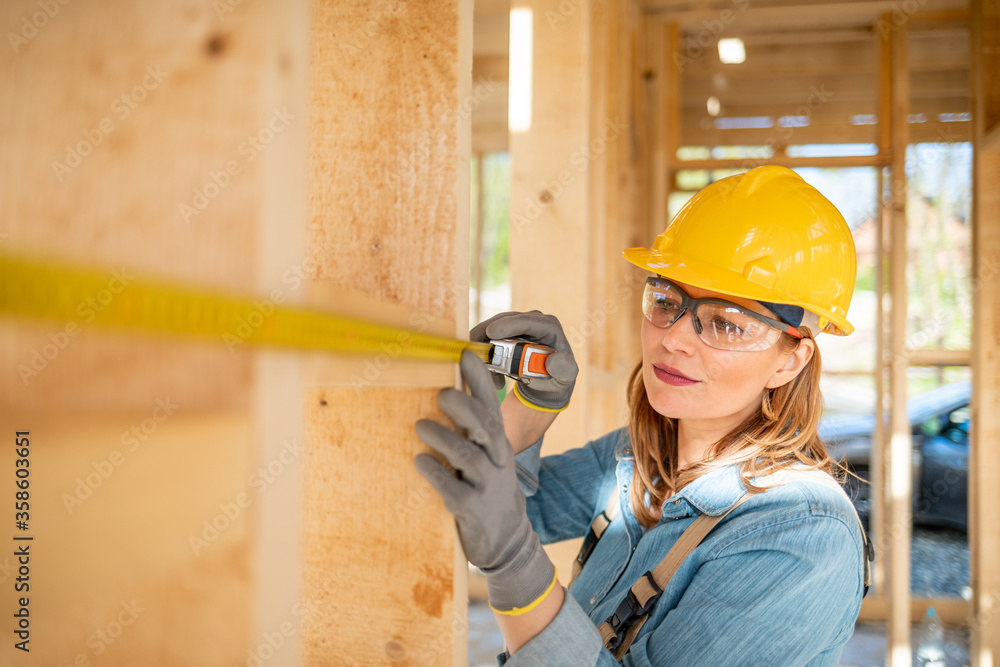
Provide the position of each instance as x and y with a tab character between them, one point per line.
143	446
389	213
899	453
984	463
209	522
358	201
611	340
549	205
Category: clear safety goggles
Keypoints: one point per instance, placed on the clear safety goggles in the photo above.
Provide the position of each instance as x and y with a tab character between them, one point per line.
721	324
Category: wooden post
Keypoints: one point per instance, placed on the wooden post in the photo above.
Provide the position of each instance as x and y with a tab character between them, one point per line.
389	211
197	505
900	464
618	177
550	246
159	143
573	197
984	463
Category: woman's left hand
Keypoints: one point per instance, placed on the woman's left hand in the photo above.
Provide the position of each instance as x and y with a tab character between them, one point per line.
483	493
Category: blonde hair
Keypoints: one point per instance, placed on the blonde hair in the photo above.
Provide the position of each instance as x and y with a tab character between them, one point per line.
780	433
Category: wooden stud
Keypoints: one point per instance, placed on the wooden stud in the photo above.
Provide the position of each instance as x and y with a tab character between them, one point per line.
877	469
550	208
673	103
984	461
389	207
899	460
127	145
477	239
662	69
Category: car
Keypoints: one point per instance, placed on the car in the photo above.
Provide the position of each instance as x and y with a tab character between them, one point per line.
939	425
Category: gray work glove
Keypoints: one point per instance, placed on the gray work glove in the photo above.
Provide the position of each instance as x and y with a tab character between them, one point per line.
483	493
549	394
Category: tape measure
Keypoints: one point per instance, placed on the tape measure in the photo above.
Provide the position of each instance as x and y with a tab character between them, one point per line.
39	290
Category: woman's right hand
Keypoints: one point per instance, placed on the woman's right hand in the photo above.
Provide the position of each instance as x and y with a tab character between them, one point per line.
551	394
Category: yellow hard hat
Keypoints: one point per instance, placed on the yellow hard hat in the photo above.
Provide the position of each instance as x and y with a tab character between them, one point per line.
765	235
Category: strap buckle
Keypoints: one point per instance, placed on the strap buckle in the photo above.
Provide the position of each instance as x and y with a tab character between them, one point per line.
629	611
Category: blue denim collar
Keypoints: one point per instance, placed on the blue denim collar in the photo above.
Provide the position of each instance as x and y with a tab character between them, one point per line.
714	492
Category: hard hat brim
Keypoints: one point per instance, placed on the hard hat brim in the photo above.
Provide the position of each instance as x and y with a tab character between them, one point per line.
716	279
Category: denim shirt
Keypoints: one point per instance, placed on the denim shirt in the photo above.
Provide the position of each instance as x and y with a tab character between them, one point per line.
778	582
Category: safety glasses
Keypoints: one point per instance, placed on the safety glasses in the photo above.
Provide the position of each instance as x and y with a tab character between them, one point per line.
721	324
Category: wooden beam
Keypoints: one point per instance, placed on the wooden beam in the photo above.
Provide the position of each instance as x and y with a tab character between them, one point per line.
819	133
550	208
878	477
984	463
824	7
388	175
932	51
618	178
792	162
666	105
491	29
952	611
143	446
899	477
884	93
938	357
935	19
990	140
984	450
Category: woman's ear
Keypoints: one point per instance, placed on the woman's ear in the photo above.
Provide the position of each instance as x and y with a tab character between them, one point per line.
795	361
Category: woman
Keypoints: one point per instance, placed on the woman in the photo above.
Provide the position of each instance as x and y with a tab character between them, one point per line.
724	409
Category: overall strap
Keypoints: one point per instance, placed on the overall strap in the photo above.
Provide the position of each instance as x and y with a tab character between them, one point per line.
621	628
597	528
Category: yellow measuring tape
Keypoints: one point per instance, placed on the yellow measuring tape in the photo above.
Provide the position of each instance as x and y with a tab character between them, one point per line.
40	290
